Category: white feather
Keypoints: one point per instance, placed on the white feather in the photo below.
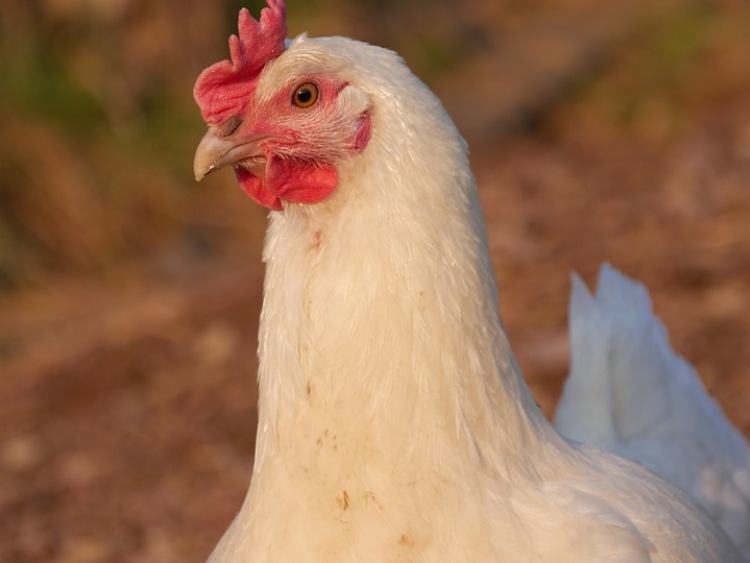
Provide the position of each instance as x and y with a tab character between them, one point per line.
630	393
394	424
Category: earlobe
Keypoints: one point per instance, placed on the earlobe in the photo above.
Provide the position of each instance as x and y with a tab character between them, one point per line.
353	101
364	131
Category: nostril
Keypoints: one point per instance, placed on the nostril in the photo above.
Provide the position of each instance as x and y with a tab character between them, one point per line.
230	126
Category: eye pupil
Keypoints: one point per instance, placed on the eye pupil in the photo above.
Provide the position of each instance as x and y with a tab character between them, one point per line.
305	95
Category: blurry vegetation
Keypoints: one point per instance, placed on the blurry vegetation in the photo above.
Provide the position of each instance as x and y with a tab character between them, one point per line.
94	155
669	72
99	125
659	64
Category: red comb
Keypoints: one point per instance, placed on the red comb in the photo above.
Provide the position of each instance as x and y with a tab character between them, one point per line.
223	89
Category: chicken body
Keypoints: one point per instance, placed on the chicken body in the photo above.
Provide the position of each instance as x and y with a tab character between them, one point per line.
394	424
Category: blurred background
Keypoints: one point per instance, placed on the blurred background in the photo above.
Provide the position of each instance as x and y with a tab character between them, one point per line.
600	131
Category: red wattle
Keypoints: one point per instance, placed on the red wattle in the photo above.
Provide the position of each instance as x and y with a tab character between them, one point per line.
254	188
300	181
295	181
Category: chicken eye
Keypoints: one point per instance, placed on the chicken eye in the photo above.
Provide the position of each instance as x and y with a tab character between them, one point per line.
305	95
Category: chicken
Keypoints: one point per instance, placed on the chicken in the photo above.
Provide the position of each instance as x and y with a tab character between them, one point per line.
629	393
394	424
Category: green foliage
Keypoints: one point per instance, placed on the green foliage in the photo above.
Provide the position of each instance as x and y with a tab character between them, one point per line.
648	80
42	88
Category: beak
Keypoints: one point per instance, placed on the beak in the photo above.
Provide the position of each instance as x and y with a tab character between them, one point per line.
216	151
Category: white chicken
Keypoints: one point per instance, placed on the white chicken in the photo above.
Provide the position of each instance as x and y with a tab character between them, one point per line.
394	424
629	393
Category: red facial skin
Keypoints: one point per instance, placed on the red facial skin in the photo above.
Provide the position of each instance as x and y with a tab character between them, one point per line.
300	146
280	152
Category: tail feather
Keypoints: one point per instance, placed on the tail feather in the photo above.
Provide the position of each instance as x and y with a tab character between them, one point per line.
630	393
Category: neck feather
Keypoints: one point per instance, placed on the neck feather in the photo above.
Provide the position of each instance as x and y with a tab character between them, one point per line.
380	316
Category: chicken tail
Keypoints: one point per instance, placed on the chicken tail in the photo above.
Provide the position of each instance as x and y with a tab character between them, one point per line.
629	392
